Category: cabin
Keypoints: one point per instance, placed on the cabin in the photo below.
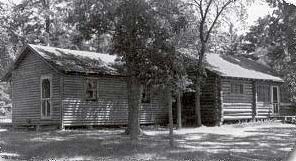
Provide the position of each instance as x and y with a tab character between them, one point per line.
61	88
238	89
65	88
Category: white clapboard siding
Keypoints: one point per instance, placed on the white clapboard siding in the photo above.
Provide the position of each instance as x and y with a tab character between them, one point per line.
26	91
111	106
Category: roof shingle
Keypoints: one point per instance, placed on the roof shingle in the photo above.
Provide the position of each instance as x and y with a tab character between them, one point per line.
77	61
239	67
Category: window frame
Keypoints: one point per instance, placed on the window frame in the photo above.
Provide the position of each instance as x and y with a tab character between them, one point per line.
237	84
43	77
95	90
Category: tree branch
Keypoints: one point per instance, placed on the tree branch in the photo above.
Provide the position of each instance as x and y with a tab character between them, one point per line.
219	12
189	4
207	8
199	4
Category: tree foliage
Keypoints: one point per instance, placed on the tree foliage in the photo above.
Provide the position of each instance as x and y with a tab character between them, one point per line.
272	41
40	22
94	22
143	34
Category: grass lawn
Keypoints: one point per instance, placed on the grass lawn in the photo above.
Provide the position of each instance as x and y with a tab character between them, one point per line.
253	141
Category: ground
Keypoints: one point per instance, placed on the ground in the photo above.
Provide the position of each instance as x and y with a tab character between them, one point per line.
252	141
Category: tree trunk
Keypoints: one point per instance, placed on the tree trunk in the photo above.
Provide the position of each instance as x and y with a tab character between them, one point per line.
179	110
170	108
47	21
134	102
198	83
197	104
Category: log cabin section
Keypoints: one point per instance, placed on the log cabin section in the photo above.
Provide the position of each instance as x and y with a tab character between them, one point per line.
237	88
60	87
248	90
210	100
249	99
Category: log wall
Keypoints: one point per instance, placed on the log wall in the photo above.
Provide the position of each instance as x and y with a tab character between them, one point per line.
263	110
246	105
26	100
111	107
210	100
237	106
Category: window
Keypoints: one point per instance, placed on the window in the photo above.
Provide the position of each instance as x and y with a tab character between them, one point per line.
146	95
263	93
46	95
91	90
237	88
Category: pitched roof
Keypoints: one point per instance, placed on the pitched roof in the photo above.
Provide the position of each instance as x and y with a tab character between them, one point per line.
77	61
97	63
239	67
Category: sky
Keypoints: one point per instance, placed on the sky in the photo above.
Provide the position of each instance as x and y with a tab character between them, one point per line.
256	10
260	9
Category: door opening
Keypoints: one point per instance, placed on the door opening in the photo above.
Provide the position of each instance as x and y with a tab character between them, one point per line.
275	100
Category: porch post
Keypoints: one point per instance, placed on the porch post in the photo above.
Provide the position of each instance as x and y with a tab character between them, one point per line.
254	103
62	127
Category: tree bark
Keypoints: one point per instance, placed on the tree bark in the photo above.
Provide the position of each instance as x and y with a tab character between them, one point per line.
134	102
198	83
197	105
170	108
179	110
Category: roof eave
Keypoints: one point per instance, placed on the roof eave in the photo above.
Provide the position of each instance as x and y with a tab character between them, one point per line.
92	74
272	80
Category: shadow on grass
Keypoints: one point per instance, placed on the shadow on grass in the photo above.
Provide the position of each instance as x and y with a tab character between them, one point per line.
261	144
265	144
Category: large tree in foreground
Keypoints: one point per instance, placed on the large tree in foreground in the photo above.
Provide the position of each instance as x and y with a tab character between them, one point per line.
144	39
143	35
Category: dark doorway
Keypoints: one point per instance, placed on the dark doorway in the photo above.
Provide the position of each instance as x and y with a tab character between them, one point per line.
188	112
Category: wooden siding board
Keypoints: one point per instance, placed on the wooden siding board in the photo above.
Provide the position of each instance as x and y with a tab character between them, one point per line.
237	106
26	91
111	106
